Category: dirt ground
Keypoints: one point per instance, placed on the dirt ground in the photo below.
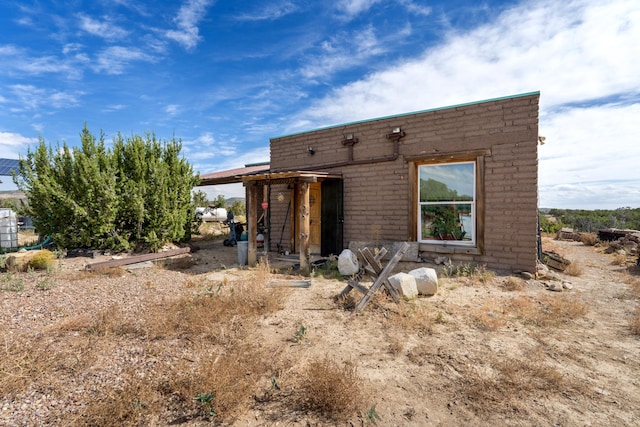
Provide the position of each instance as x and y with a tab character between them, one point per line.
485	350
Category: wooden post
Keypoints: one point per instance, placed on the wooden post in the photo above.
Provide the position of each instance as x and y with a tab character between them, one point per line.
252	223
303	193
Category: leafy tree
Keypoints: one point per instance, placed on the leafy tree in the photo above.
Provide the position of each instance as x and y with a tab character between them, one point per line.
238	207
219	202
89	196
200	199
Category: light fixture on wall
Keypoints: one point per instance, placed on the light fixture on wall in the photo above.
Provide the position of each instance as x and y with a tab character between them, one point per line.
311	151
542	139
349	139
396	133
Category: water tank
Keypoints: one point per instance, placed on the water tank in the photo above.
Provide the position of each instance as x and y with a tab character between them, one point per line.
8	229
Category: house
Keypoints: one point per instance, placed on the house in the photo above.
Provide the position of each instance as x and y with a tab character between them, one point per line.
460	181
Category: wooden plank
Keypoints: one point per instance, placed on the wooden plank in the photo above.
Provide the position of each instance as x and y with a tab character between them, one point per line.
383	276
252	223
305	254
138	258
377	267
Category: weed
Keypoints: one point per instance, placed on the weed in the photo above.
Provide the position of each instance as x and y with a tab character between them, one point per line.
205	400
330	389
574	269
301	334
619	259
475	273
45	284
11	283
489	317
547	310
589	239
396	345
372	416
512	284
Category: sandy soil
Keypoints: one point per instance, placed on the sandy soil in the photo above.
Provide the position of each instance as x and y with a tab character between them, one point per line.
479	352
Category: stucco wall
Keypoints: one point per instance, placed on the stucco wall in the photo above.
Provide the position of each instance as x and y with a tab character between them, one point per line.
378	199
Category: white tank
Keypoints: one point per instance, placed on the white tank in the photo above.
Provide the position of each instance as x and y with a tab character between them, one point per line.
8	229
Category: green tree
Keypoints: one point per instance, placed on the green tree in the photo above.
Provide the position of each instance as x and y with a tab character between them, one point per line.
89	196
199	199
219	202
238	207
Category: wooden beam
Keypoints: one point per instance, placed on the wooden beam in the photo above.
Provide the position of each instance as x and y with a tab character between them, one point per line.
252	223
138	258
305	227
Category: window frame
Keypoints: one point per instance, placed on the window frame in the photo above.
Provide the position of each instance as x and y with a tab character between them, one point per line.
447	247
443	203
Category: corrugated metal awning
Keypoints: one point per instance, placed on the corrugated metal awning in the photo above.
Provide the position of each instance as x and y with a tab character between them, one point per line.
232	176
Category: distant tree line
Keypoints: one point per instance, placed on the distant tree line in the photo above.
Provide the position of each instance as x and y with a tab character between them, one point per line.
590	221
136	193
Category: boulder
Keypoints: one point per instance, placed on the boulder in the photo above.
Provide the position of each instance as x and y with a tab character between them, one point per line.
426	280
348	263
404	284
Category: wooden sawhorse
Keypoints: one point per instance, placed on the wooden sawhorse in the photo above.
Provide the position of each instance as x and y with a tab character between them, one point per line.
374	266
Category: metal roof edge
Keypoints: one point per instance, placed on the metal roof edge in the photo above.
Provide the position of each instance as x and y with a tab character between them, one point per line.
501	98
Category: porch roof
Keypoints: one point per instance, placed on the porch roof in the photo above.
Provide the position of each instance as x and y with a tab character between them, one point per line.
288	177
232	176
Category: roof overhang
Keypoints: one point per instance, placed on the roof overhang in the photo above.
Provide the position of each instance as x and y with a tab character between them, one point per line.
232	176
288	177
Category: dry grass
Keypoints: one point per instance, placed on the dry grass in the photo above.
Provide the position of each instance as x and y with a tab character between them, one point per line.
547	310
589	239
210	331
574	269
488	317
332	389
512	284
508	383
619	259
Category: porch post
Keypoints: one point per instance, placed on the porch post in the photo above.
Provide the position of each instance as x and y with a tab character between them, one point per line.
252	223
303	198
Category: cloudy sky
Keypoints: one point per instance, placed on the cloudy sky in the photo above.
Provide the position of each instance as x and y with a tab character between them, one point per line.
225	76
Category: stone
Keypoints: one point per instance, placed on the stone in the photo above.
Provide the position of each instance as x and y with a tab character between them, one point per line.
404	284
568	286
555	287
426	280
439	260
526	275
348	263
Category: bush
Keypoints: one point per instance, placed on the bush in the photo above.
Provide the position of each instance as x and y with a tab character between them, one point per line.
42	260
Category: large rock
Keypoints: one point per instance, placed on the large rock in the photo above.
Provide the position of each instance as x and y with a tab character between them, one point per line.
426	280
404	284
348	263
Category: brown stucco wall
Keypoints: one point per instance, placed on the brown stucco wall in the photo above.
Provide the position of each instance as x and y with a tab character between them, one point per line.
378	202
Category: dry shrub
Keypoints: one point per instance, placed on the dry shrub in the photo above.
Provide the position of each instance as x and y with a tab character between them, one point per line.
547	310
619	259
476	274
634	322
489	317
21	361
512	284
396	345
507	383
43	260
110	271
589	239
331	389
574	269
412	316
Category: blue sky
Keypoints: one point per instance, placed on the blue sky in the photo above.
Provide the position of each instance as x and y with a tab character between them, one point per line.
225	76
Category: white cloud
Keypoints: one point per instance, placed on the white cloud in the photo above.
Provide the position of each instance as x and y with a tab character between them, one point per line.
32	98
171	109
114	59
187	20
11	144
416	8
269	12
352	8
575	53
105	29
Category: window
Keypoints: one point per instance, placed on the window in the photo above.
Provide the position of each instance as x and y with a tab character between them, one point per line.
447	203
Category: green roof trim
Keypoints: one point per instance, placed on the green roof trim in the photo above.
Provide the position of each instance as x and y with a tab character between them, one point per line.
429	110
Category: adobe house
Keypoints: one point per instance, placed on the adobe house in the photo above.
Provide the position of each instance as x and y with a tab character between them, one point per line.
459	181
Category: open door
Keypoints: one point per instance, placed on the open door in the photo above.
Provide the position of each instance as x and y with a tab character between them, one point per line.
332	217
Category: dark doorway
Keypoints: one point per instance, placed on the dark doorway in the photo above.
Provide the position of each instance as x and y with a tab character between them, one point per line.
332	217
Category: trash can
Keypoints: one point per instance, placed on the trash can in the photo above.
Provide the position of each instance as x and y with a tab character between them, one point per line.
243	252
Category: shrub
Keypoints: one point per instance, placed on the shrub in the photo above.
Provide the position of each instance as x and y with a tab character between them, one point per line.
43	260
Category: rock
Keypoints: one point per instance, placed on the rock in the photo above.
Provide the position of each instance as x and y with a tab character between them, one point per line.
439	260
567	285
526	275
426	280
555	287
348	263
404	284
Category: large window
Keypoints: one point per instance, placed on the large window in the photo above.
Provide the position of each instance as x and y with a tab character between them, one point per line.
447	203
